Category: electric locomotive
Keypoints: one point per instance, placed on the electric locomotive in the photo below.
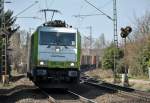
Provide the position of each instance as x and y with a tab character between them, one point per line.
54	55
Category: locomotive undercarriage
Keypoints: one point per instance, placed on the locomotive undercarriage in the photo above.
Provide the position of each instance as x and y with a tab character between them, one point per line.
54	77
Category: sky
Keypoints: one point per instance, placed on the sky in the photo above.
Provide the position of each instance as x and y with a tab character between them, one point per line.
127	10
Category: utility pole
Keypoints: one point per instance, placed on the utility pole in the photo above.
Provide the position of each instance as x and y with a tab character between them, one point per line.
114	19
4	46
115	39
4	35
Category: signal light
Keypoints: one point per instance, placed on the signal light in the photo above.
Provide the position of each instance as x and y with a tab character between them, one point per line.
125	31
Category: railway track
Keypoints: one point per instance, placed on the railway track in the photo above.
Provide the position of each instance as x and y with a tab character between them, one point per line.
97	91
67	97
81	98
49	98
131	93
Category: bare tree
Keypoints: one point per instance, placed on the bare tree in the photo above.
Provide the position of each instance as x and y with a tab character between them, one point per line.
85	42
142	26
19	51
15	45
138	48
100	42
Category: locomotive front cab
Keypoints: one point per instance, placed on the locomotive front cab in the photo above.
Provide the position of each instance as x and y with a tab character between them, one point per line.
58	58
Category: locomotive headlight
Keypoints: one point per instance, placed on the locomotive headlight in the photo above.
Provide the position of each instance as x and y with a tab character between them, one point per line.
41	63
57	50
72	64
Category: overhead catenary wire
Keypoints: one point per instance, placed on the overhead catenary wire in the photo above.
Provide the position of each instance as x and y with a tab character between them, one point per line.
99	10
32	17
80	20
104	5
85	15
26	8
16	16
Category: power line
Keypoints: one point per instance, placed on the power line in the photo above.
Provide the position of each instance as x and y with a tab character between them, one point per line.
99	10
27	8
104	5
87	15
16	16
30	17
80	20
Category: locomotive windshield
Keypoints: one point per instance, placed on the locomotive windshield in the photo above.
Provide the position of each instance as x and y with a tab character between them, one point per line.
57	38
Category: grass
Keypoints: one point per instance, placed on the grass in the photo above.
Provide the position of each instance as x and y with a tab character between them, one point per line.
6	86
139	82
148	90
99	73
139	86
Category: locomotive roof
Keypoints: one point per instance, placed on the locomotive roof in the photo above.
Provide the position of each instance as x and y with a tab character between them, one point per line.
57	29
56	23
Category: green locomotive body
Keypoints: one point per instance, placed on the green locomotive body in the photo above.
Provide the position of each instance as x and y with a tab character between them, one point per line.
54	55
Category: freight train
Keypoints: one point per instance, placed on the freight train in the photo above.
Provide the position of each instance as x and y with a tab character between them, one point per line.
54	55
88	62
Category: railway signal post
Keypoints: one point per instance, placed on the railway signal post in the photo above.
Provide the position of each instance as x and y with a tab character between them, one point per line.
124	33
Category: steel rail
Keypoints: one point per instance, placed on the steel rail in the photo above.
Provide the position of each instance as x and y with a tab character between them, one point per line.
50	99
81	98
131	94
